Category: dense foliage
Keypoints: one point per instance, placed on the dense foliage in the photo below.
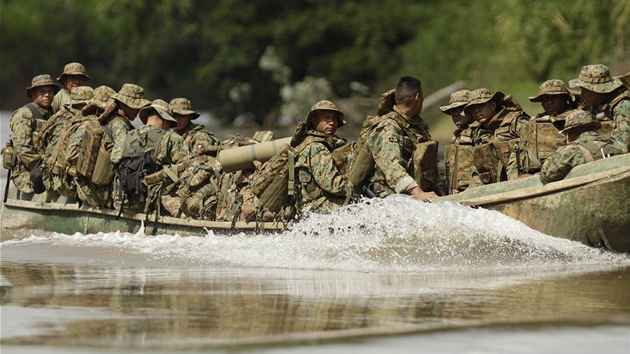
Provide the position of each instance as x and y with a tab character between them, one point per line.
210	51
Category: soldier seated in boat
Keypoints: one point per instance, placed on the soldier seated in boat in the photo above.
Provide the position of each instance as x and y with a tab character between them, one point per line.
459	153
585	144
541	136
607	98
500	118
26	124
197	140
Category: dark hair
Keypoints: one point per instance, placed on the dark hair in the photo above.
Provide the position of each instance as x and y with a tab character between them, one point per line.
406	89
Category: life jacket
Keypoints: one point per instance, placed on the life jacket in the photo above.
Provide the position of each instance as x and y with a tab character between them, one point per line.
539	139
595	147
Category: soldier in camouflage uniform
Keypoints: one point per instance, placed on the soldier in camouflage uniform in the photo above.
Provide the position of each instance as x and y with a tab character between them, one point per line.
53	142
459	154
25	125
392	143
129	100
500	119
73	75
197	140
585	145
323	188
541	136
607	98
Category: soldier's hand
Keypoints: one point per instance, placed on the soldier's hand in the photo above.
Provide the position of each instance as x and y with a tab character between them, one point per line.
424	196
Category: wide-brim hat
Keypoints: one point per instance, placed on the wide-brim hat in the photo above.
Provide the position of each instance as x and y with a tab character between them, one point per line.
458	99
131	95
578	118
596	78
42	80
552	87
161	107
481	96
183	106
81	95
326	105
73	69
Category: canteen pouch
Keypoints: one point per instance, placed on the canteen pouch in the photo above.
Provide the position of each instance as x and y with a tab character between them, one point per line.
8	156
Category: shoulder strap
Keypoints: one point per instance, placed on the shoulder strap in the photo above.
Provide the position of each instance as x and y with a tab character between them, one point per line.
34	110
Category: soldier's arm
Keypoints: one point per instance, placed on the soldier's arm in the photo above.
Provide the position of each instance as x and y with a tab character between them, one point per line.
385	143
512	167
558	165
21	125
324	171
621	115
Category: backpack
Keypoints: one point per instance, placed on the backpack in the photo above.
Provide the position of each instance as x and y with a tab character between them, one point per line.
94	162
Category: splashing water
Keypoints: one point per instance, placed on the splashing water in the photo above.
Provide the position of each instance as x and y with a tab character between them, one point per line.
398	234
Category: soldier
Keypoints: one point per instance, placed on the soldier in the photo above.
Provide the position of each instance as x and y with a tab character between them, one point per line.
459	154
197	140
607	98
541	136
395	142
128	101
584	145
500	119
323	187
25	125
73	75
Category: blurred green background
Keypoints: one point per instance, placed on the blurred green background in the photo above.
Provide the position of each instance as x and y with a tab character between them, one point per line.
266	62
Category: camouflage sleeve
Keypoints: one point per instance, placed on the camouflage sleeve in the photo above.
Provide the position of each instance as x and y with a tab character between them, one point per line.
475	181
21	124
172	149
512	167
204	139
558	165
119	132
621	131
386	143
56	103
324	171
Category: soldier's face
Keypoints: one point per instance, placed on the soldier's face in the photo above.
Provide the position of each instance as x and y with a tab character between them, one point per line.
43	96
182	121
460	119
128	112
553	104
326	122
74	81
483	112
591	98
418	103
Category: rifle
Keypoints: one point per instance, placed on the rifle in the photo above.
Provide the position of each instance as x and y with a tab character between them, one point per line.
447	178
517	150
369	192
6	187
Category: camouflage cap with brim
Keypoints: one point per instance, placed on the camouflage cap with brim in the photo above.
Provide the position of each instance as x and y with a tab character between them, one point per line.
73	69
183	106
579	118
552	87
131	95
81	94
325	105
596	78
40	81
162	108
481	96
458	99
101	100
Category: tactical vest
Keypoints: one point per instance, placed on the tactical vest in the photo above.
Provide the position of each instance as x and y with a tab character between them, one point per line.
538	140
308	187
595	147
138	144
605	113
460	160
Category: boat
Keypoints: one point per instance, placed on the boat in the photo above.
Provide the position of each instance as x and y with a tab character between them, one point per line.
591	205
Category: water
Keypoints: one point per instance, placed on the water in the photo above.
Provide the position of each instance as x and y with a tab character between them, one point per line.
395	273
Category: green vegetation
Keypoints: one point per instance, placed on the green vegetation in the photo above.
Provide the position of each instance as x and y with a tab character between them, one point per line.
210	51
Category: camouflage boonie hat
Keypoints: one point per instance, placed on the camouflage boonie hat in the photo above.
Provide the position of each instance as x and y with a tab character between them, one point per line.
481	96
39	81
81	94
103	93
131	95
325	105
183	106
579	118
161	107
596	78
100	100
552	87
73	69
458	99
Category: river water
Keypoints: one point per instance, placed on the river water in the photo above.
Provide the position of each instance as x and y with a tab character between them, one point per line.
393	274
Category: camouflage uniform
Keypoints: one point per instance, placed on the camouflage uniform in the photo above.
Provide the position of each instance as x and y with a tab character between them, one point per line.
391	146
63	96
616	106
133	96
459	154
197	140
495	141
589	146
25	129
541	136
